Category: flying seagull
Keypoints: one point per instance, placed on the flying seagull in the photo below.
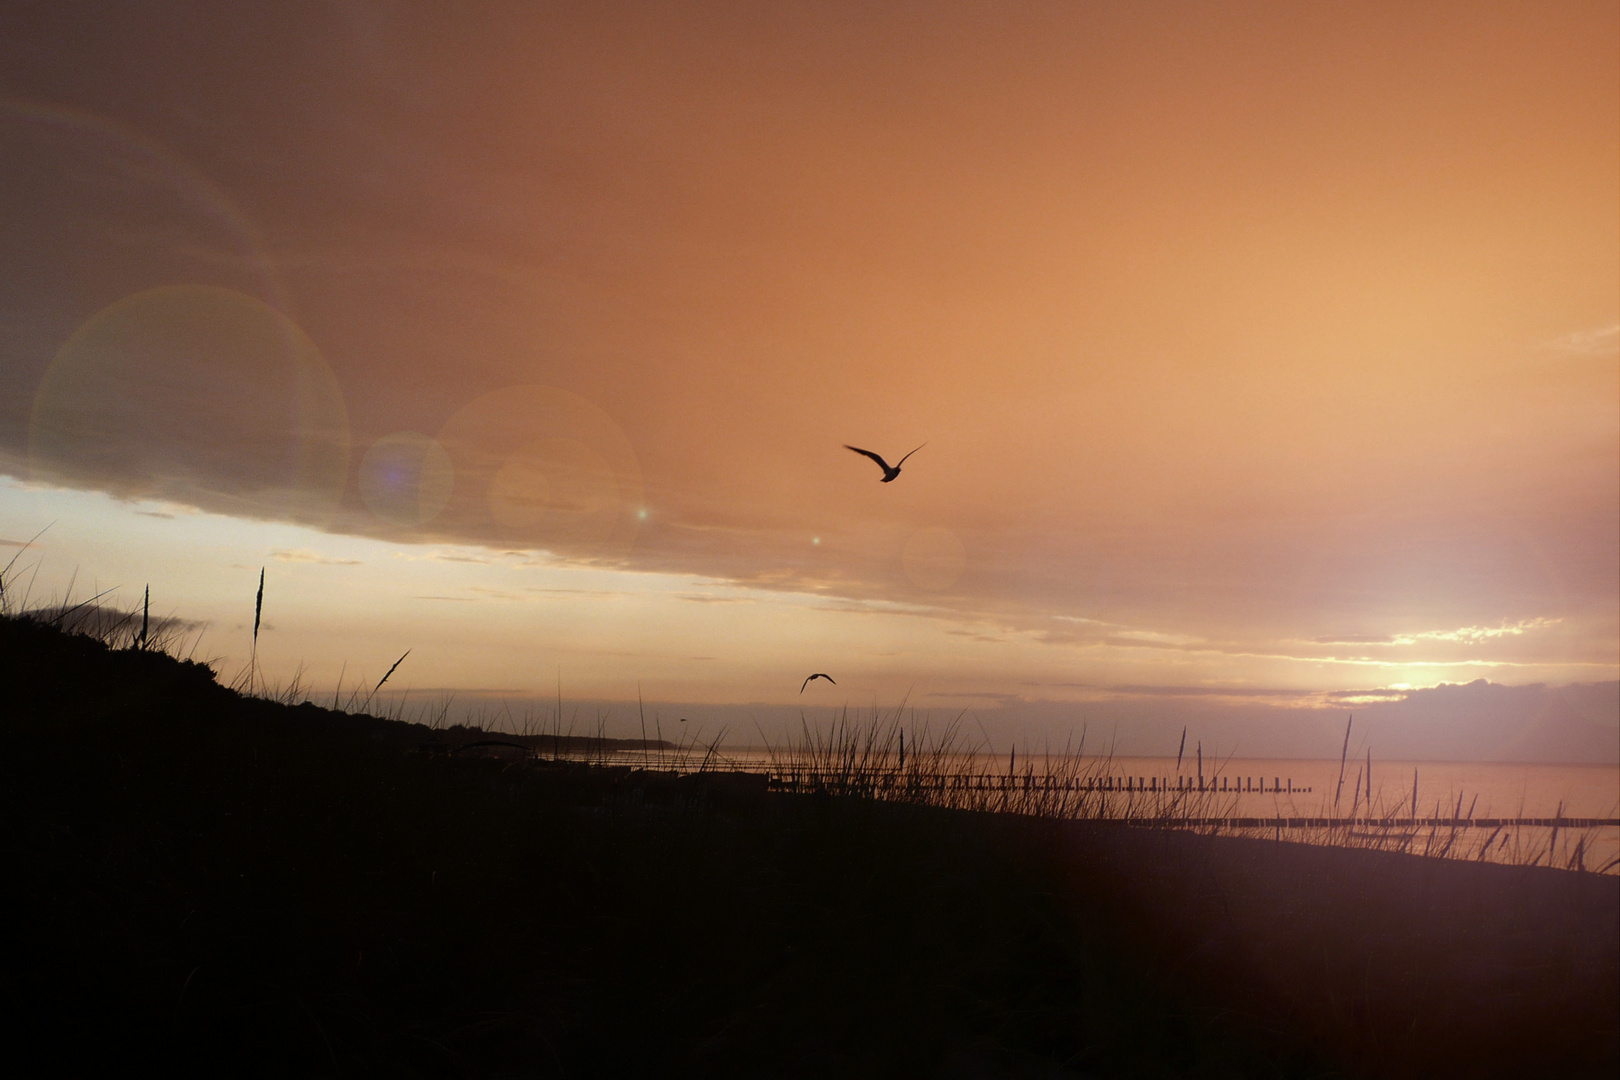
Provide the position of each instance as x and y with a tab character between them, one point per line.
818	675
889	471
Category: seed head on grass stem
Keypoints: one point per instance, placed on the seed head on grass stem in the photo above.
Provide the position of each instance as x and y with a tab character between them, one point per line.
390	671
1343	756
258	609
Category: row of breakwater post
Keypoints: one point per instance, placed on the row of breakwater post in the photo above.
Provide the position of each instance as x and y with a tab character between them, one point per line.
1172	803
817	780
811	778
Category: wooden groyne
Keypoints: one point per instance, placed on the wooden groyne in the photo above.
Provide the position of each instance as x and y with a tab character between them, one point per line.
900	785
821	779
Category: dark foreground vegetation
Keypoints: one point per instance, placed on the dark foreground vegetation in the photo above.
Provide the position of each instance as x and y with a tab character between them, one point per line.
211	883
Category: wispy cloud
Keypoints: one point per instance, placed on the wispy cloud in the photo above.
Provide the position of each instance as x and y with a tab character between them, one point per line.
1155	637
487	593
1598	341
303	555
999	699
975	635
1470	635
1207	691
1383	696
441	556
1473	635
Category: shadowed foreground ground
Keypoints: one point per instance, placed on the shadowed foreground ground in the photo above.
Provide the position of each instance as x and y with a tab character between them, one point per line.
211	883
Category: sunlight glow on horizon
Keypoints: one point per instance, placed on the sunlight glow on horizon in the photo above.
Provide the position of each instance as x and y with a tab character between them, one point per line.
386	585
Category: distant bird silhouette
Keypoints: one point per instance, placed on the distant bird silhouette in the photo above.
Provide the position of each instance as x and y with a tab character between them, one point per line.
818	675
889	471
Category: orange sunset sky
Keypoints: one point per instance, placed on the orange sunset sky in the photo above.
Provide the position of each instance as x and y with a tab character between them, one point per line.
1267	354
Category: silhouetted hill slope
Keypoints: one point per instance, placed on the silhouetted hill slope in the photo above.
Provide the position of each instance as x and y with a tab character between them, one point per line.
204	882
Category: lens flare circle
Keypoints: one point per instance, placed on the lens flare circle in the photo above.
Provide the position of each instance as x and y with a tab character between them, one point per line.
554	487
542	466
406	478
94	152
199	395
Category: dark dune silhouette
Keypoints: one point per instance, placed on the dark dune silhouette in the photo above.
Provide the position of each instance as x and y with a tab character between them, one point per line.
213	880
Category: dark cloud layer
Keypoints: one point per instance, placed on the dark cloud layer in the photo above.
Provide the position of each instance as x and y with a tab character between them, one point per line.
1269	323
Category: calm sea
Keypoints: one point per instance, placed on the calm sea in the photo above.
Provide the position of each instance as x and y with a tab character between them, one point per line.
1313	788
1309	786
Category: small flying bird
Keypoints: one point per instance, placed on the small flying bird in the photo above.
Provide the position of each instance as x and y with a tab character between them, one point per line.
889	471
818	675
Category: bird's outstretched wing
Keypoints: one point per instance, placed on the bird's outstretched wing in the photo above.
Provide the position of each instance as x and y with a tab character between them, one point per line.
884	465
902	461
818	675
